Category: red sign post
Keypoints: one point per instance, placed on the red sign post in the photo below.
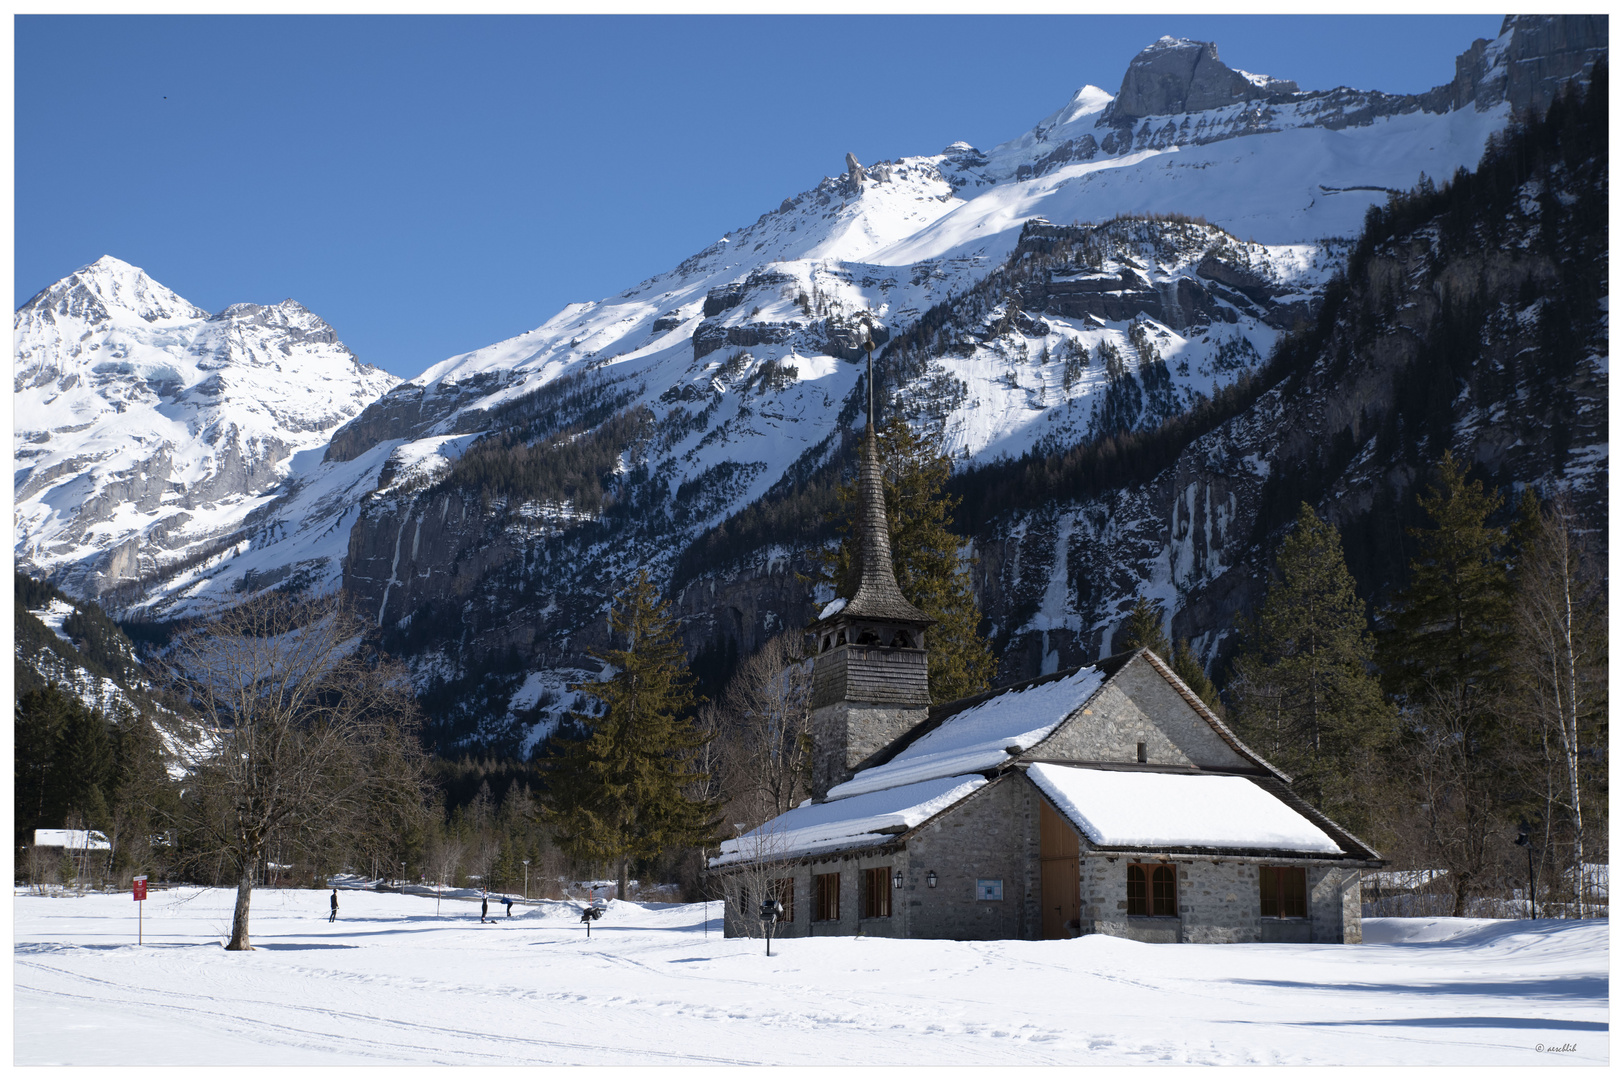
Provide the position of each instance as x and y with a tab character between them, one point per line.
140	886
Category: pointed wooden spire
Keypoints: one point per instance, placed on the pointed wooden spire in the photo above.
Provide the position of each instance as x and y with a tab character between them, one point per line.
878	596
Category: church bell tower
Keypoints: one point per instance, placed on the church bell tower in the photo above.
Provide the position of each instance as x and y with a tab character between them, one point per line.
870	680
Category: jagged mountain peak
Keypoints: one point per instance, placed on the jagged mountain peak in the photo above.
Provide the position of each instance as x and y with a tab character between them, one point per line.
148	430
1177	75
109	287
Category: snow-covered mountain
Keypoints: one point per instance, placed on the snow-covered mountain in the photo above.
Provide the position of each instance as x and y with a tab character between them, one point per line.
1119	263
148	431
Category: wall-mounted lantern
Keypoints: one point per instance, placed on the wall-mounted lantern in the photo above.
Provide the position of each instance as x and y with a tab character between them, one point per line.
930	879
896	879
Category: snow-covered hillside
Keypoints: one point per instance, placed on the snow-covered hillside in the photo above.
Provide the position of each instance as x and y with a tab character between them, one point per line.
147	430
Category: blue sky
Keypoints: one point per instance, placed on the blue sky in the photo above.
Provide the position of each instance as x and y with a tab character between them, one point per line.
430	185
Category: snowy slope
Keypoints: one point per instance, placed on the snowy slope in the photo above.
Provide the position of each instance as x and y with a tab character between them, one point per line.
389	983
889	240
743	360
147	429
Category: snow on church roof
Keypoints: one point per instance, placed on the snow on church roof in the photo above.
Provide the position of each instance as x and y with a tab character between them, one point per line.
977	739
852	822
1176	810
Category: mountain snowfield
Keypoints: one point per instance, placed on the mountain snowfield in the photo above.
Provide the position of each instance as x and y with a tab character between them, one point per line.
1222	203
147	429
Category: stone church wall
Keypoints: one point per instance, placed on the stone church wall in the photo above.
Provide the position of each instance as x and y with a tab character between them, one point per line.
993	836
1139	706
1219	902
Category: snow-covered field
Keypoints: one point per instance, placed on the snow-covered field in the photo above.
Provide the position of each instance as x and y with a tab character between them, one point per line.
390	982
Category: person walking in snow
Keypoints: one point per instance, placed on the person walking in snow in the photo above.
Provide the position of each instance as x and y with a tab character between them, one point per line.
509	907
334	916
484	908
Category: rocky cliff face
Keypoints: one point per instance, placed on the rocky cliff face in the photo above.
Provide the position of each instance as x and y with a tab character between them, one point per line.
1473	320
1177	92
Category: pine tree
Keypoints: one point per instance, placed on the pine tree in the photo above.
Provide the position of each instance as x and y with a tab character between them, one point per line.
1304	692
924	552
1142	630
1186	665
621	793
1444	658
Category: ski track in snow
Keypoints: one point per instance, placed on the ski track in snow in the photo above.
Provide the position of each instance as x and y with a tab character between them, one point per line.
392	983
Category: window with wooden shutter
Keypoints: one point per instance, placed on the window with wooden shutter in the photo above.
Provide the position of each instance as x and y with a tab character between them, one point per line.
1164	891
1284	892
826	897
783	890
1152	890
1137	891
876	892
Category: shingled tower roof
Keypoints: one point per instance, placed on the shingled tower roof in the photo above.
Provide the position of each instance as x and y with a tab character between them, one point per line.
878	596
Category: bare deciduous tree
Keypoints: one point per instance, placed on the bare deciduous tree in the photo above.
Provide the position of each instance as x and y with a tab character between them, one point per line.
763	723
761	869
1559	655
310	733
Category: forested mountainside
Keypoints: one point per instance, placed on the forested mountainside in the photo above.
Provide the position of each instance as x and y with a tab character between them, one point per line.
1143	330
95	734
1471	316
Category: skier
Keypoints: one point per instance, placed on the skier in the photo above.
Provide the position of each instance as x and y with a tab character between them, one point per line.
509	907
334	916
484	908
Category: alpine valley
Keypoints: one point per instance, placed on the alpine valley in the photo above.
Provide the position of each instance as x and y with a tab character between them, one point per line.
1146	330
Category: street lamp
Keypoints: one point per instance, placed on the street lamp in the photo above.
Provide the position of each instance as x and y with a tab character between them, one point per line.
526	879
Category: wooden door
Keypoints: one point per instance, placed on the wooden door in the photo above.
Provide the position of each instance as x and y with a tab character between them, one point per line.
1059	848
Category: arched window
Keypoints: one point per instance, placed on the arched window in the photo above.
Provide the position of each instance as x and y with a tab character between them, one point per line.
1152	890
1137	892
1164	891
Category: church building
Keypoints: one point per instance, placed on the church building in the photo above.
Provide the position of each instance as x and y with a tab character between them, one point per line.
1101	800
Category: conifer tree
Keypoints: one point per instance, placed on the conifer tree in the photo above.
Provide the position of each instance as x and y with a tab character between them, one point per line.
924	552
622	792
1304	691
1142	630
1186	665
1443	657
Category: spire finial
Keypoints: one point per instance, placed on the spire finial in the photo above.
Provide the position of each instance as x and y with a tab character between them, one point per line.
870	381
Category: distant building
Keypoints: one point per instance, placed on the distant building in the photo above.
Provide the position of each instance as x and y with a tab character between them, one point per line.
71	840
1101	800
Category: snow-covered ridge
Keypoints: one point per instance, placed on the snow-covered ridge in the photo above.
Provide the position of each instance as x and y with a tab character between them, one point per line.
146	428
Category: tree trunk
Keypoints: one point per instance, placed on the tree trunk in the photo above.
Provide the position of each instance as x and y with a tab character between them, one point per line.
239	918
625	880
